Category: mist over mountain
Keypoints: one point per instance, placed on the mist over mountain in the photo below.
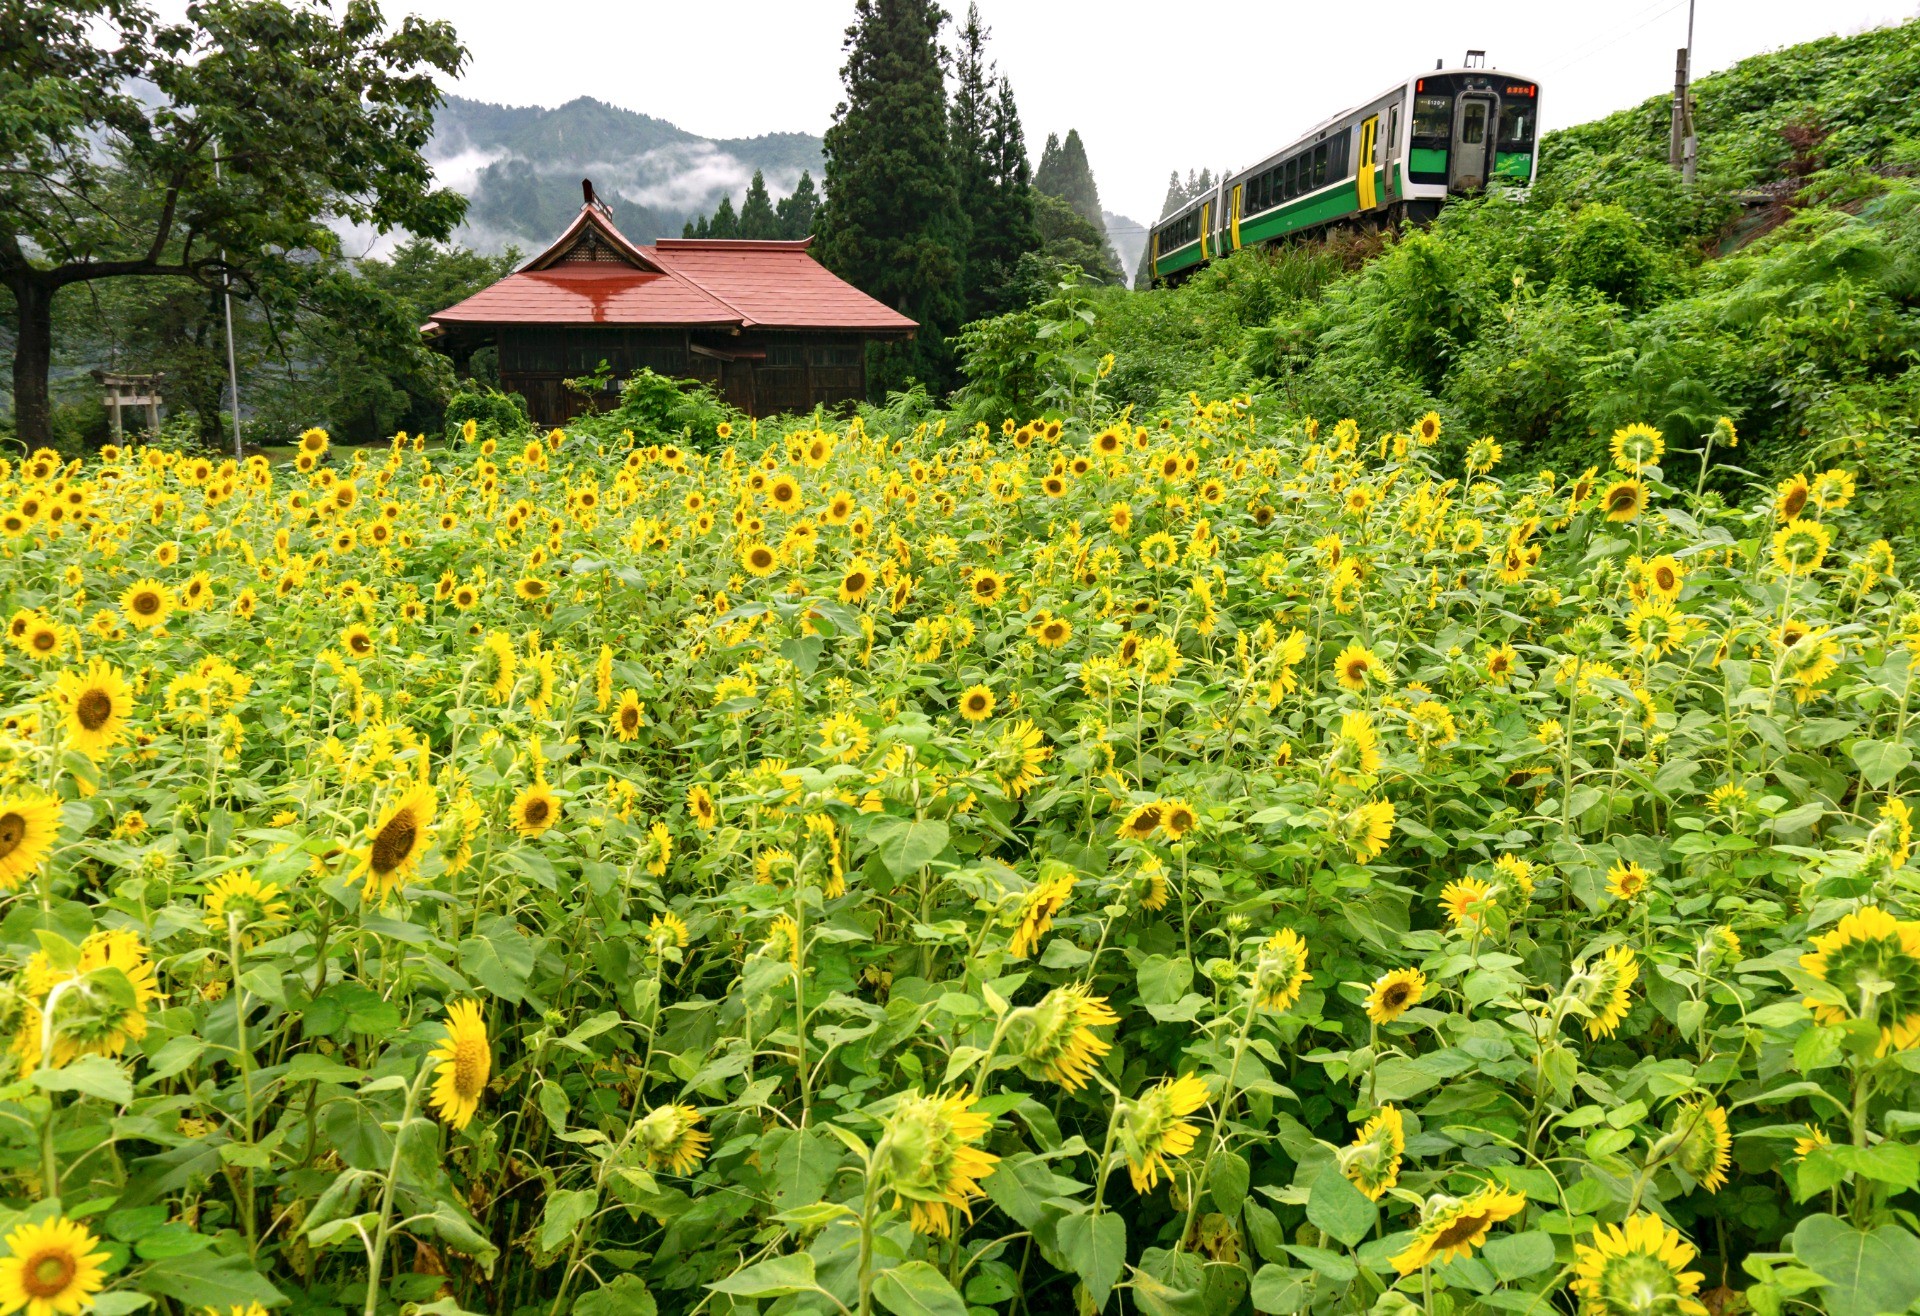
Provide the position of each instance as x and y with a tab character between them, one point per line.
520	167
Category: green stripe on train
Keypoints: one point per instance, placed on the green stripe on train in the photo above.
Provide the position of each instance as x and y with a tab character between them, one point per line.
1178	260
1421	160
1513	164
1304	213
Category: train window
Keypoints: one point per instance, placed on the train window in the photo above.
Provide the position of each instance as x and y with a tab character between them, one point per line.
1393	133
1337	156
1516	126
1320	165
1473	123
1293	178
1433	116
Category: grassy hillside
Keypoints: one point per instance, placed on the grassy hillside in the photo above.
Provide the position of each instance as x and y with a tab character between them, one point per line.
1779	291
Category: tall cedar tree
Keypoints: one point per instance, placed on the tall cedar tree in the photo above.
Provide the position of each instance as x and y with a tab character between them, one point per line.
1065	173
112	121
796	211
892	224
990	153
724	224
757	219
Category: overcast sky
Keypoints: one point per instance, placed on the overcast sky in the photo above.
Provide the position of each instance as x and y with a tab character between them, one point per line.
1218	85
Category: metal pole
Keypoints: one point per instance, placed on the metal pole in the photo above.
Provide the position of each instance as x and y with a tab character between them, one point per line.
226	301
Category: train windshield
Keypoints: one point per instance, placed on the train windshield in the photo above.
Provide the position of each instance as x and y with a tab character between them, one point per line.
1432	116
1516	126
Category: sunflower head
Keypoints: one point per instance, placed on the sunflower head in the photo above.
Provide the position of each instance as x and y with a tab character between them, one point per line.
1394	993
460	1079
929	1158
1280	970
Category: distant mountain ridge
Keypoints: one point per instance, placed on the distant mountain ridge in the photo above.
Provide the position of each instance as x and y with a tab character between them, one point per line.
520	168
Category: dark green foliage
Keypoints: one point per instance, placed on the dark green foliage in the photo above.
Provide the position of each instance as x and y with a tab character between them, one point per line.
1067	239
1065	173
114	120
724	223
757	220
990	157
659	409
796	211
892	224
493	413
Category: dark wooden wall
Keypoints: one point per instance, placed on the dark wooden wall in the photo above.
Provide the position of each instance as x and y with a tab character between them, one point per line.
760	373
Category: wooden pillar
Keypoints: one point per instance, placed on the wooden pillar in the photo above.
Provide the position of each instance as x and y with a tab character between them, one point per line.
113	412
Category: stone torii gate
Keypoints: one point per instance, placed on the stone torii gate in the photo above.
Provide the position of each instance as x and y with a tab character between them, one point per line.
142	391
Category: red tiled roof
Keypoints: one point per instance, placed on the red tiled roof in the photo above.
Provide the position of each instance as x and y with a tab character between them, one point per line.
676	282
600	293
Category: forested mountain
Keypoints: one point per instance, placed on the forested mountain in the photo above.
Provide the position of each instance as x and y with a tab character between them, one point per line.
521	165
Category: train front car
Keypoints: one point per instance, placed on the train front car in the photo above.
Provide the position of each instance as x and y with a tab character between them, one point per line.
1399	156
1466	128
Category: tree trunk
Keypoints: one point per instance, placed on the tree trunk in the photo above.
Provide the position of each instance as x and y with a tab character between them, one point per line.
32	357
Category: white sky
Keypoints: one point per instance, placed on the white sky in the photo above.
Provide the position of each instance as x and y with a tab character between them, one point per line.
1219	86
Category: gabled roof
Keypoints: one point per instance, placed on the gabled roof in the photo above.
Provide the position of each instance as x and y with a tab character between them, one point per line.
592	274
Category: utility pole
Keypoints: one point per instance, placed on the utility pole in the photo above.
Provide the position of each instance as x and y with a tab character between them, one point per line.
1682	146
226	301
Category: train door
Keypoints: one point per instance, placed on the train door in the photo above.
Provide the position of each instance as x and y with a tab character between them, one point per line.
1469	158
1234	224
1367	174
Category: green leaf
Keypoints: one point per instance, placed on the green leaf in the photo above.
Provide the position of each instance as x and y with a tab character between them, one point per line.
1281	1291
1228	1182
1890	1162
206	1279
310	1068
567	1210
1516	1256
90	1076
500	958
1164	981
1867	1272
1096	1247
769	1279
626	1296
915	1288
1880	760
1340	1209
907	846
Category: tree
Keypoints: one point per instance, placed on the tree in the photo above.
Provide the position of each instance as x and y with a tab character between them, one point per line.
1065	173
757	219
695	228
113	124
990	158
1068	239
724	224
796	212
892	224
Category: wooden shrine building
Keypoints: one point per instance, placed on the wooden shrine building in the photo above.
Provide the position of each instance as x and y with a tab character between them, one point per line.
763	322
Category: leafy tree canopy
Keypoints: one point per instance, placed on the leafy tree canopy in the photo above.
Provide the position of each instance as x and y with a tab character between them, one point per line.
220	145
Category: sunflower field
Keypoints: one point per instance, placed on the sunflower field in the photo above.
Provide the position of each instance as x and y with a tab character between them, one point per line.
1200	863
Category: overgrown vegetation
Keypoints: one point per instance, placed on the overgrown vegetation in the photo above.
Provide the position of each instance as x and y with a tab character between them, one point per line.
1780	292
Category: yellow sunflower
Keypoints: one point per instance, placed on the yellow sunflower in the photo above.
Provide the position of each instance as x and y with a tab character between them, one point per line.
1055	1039
535	809
1452	1227
927	1155
28	826
396	843
1624	500
146	604
1394	993
460	1079
671	1139
52	1268
96	704
628	716
1635	1268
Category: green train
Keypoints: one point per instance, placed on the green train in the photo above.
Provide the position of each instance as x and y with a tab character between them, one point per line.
1399	155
